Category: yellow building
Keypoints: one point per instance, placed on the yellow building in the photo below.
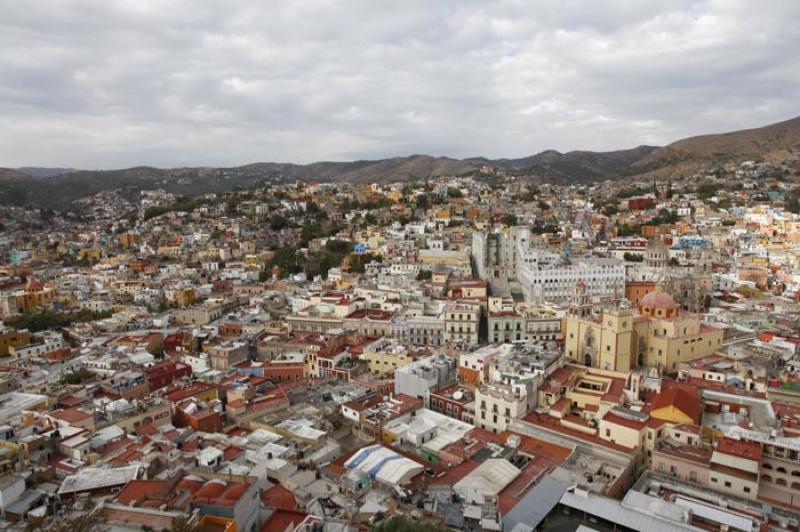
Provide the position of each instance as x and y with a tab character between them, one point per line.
599	338
612	336
90	254
668	336
182	297
395	195
387	359
128	239
12	338
35	295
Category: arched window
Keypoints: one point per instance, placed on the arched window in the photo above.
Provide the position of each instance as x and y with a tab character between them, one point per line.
796	485
766	478
781	470
780	482
767	466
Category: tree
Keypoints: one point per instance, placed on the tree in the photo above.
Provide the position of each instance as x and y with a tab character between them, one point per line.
610	209
314	211
510	219
39	320
287	259
401	523
665	217
422	201
453	192
358	261
544	229
340	247
278	222
424	275
310	231
632	257
79	376
792	200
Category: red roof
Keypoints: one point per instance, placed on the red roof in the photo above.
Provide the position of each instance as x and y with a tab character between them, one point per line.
283	519
70	415
137	490
279	497
684	398
743	449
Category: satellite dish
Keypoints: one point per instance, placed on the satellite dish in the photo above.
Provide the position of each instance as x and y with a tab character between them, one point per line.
459	395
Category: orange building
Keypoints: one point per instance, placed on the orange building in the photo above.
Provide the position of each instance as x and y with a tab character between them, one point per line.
12	338
35	295
635	291
650	231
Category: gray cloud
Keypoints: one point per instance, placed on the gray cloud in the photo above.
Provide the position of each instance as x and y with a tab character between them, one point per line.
99	84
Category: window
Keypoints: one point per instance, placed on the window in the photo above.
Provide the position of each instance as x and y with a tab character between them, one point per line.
727	484
746	489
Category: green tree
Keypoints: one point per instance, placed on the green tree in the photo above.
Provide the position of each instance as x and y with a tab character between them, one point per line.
79	376
287	259
278	222
340	247
792	200
39	320
424	275
358	261
510	219
453	192
401	523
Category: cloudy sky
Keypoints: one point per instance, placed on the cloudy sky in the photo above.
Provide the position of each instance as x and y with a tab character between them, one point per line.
102	84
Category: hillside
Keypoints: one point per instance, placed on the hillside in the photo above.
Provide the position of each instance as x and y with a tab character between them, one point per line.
11	173
694	152
38	171
681	157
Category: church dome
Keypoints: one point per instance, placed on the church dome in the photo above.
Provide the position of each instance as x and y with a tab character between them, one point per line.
659	300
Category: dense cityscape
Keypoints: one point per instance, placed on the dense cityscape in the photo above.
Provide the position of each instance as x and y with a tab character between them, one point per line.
419	266
481	352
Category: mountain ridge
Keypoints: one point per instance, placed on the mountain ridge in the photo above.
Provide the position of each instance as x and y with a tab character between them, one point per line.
572	167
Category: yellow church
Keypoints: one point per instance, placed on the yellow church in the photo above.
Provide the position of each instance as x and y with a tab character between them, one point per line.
612	336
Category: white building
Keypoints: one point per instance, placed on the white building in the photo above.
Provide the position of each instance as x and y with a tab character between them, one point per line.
486	481
383	465
545	276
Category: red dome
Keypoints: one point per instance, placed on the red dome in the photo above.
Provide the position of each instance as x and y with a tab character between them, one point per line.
211	489
659	300
33	285
235	492
190	484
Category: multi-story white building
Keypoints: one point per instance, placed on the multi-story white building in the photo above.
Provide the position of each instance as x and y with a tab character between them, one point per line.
497	404
461	321
495	253
545	276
